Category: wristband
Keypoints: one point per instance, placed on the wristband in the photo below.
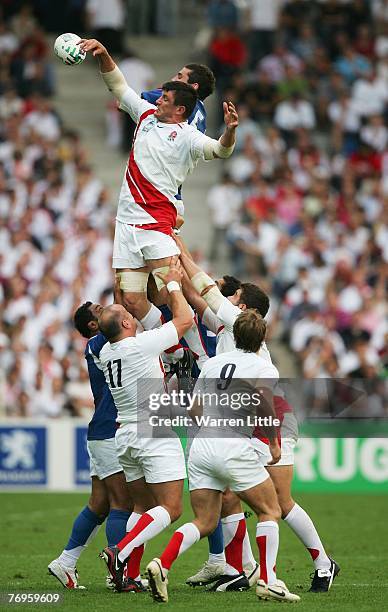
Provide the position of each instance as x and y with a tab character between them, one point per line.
173	286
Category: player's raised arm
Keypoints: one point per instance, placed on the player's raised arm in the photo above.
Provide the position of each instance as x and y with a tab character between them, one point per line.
209	148
202	282
181	313
114	78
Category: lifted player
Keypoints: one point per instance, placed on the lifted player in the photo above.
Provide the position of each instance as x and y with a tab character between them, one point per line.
165	150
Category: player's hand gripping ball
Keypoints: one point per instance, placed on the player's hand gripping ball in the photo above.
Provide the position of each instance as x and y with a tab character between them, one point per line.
66	48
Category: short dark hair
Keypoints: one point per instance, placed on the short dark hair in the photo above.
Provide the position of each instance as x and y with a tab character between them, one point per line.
230	285
201	74
82	317
184	95
110	326
249	330
254	297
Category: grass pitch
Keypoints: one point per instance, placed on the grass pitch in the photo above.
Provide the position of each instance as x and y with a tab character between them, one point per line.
35	528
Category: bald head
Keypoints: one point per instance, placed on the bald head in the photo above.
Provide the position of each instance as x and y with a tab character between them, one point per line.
116	323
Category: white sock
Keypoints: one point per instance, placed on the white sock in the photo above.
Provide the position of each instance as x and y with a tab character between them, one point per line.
267	538
183	538
133	518
69	558
148	526
152	320
302	525
233	530
216	558
249	560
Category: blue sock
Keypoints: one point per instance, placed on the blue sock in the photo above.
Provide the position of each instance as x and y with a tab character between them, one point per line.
115	527
216	540
83	527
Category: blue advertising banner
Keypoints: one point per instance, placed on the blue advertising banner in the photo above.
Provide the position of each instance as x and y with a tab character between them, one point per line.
23	456
82	463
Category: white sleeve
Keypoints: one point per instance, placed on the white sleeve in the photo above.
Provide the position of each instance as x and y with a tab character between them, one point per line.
155	341
264	353
199	143
228	313
133	104
211	321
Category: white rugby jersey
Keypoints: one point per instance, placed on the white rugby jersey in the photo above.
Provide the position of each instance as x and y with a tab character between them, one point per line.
222	325
162	156
235	367
128	361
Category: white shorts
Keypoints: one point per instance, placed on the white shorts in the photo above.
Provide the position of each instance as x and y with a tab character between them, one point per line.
133	246
287	446
103	458
219	464
155	459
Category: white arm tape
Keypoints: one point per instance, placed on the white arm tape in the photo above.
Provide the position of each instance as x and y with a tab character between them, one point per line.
173	286
213	297
214	148
115	81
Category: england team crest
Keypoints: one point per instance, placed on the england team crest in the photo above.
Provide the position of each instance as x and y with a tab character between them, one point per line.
172	136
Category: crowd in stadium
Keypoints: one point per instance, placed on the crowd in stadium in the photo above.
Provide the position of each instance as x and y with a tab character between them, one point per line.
308	183
305	189
55	242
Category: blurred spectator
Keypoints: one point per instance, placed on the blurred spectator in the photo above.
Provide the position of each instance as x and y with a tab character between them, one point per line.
224	202
106	22
227	55
276	63
222	13
55	238
292	114
314	188
370	95
351	65
262	22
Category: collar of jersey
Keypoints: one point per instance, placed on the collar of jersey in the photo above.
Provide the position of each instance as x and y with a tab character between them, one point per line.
162	124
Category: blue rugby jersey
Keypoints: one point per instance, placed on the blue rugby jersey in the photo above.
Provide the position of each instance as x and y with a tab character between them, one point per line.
103	424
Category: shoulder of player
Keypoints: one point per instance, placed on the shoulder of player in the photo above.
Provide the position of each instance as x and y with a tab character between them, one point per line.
95	345
227	308
267	370
149	333
110	351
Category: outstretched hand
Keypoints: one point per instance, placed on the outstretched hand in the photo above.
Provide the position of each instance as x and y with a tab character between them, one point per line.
230	115
174	272
93	46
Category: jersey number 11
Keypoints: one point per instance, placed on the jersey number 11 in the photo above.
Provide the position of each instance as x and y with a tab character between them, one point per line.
112	383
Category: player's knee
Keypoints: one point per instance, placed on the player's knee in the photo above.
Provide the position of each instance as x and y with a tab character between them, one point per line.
286	505
174	509
231	504
206	525
135	303
119	500
99	505
275	511
269	510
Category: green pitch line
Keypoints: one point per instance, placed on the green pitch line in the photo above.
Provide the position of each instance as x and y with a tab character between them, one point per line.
35	527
